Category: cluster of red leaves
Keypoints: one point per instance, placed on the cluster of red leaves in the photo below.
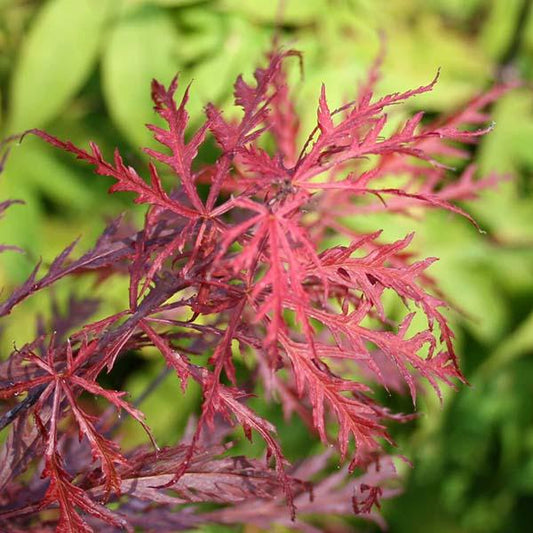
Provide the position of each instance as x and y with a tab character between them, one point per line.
231	263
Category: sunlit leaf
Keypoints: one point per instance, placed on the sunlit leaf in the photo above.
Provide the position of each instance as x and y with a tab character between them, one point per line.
55	60
143	45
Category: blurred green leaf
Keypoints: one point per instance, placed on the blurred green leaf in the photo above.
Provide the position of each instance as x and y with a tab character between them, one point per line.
464	269
508	209
519	343
32	173
20	223
509	144
173	3
465	262
40	170
293	12
457	8
421	48
241	51
167	412
512	267
144	45
499	26
55	60
20	227
204	34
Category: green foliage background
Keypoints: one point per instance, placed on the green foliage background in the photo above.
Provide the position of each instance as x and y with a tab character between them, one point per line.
81	69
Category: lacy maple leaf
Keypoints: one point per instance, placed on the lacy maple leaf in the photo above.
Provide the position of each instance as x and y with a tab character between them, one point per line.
233	263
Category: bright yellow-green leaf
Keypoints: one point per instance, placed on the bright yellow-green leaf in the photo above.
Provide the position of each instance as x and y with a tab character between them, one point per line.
507	150
205	34
55	60
500	26
144	45
172	3
520	343
294	11
240	52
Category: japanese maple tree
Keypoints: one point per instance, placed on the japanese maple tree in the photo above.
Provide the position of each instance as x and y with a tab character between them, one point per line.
234	262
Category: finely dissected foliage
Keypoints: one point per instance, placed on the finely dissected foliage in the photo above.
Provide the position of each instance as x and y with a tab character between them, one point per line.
233	262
